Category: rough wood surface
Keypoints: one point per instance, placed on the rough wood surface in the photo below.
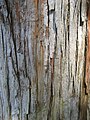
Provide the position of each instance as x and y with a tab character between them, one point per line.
44	60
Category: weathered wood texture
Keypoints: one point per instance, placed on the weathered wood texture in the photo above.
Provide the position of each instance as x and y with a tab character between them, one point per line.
44	60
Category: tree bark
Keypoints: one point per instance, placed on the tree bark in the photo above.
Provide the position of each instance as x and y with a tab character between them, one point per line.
44	60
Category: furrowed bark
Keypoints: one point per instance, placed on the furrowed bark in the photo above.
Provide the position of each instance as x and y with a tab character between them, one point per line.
44	60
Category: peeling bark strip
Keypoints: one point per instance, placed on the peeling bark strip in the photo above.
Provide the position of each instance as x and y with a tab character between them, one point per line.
44	60
88	54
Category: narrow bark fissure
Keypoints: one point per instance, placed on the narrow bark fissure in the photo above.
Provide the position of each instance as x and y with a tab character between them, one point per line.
84	79
81	22
76	58
60	88
48	15
25	61
61	7
76	54
68	32
65	31
8	83
55	47
29	108
79	103
73	88
2	41
1	107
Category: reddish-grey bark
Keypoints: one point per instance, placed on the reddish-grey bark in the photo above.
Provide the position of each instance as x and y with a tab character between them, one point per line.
44	60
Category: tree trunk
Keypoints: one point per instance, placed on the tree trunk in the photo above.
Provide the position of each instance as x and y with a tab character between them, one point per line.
44	60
